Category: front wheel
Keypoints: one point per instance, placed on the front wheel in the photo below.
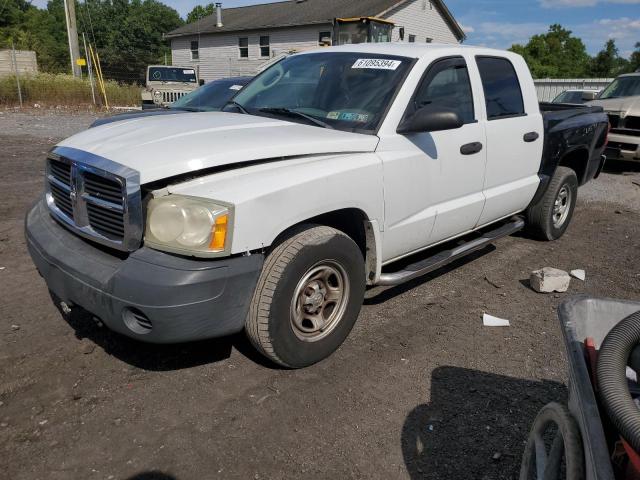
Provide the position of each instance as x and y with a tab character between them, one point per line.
308	297
550	217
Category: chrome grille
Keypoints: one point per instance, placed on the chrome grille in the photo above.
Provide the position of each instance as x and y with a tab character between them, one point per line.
95	197
170	97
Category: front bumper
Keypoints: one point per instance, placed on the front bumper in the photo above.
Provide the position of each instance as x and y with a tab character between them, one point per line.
149	295
623	147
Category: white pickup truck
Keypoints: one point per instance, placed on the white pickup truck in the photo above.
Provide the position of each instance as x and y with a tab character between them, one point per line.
331	171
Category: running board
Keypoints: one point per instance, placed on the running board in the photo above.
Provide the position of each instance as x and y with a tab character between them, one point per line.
442	258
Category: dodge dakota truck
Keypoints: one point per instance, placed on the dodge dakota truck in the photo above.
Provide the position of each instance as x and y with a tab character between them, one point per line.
331	171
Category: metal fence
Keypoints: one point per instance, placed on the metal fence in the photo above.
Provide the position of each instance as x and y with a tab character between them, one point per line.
549	88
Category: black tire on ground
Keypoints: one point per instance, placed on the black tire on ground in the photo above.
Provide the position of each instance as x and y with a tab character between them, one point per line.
549	218
564	450
298	293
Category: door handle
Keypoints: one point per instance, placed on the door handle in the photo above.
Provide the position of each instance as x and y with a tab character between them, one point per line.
470	148
531	137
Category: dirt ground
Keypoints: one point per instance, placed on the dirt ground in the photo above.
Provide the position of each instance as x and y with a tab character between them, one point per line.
419	390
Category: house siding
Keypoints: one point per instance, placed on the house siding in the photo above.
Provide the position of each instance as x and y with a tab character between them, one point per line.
219	53
423	19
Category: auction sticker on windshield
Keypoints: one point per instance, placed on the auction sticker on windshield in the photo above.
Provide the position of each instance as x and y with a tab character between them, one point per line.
377	63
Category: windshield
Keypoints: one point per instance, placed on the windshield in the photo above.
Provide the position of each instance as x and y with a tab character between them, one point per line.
172	74
345	91
622	87
569	97
210	97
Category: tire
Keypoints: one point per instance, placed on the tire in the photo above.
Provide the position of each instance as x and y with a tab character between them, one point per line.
542	218
308	297
566	444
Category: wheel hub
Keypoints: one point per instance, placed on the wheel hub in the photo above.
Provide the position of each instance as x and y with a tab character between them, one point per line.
319	301
561	206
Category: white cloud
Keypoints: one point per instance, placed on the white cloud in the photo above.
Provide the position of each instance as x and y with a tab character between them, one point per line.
467	28
581	3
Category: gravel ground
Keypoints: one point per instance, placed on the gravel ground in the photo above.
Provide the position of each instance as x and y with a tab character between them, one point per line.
419	390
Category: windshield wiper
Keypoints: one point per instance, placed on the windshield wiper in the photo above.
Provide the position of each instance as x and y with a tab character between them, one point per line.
295	113
238	106
186	109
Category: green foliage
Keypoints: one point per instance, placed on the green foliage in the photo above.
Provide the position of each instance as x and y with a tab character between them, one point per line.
634	60
608	63
199	12
555	54
63	89
127	33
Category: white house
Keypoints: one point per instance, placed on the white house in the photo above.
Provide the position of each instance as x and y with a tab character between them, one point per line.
237	41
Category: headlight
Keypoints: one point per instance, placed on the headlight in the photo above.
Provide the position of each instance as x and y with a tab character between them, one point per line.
188	225
157	96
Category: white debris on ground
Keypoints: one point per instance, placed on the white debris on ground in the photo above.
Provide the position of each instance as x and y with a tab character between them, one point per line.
579	274
491	321
549	280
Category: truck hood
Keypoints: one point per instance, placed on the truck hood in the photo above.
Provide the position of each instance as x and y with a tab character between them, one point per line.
626	105
164	146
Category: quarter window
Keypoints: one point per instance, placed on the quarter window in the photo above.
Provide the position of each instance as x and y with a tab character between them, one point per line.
447	86
502	92
265	48
243	47
195	50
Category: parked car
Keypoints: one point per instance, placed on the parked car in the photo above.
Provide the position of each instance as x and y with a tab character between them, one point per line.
166	84
333	170
621	101
576	96
208	98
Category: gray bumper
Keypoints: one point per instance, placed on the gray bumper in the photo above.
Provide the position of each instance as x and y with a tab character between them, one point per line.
180	299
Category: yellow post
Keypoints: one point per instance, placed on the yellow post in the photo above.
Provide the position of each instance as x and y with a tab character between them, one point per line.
96	62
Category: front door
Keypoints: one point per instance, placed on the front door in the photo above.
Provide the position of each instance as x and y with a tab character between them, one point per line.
434	180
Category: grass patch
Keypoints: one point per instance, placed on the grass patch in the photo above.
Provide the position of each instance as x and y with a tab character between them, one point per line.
61	89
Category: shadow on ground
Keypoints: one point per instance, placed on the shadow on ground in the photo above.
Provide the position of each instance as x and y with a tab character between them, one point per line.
621	167
475	425
153	357
152	475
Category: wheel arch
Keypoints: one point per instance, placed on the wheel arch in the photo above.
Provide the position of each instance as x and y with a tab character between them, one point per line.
353	222
578	161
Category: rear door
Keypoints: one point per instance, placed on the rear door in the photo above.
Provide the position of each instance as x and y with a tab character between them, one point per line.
514	131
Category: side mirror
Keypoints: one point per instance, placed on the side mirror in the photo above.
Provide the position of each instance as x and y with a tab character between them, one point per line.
588	95
201	82
431	119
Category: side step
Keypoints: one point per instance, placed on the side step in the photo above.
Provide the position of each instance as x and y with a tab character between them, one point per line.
442	258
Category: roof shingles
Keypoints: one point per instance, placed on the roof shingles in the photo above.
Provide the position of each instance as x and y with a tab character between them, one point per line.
294	13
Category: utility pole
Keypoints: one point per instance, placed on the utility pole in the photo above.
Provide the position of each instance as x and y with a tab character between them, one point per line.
15	66
72	35
89	67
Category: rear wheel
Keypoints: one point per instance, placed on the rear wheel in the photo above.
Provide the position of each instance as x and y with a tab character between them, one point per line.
550	217
308	297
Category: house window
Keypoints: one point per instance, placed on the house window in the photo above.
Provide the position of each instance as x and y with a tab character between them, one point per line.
195	50
412	39
265	48
243	47
324	39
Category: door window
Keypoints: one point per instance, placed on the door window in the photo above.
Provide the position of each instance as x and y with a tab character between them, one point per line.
502	92
447	85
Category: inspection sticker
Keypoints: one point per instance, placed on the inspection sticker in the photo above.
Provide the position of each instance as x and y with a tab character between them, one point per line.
377	63
235	87
188	71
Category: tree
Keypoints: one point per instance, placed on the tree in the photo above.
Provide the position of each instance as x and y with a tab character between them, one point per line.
608	63
555	54
634	60
199	12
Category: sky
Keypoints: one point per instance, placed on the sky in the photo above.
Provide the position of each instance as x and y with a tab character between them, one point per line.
501	23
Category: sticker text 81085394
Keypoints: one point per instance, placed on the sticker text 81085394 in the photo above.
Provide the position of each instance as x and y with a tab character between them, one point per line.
377	63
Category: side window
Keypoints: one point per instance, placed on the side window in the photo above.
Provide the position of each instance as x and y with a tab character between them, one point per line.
502	91
265	46
447	85
243	47
195	50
